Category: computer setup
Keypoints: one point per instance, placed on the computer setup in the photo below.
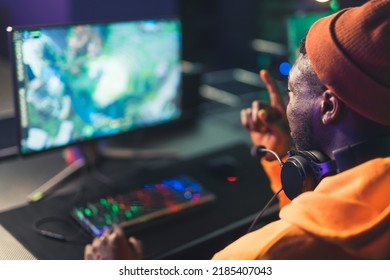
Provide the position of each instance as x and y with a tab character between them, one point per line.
78	83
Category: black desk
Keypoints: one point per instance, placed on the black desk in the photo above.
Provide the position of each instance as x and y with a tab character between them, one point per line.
182	237
195	236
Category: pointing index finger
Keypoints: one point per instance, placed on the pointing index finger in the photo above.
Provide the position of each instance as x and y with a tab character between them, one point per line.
276	99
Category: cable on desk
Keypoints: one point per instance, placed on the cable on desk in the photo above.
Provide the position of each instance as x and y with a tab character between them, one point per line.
37	226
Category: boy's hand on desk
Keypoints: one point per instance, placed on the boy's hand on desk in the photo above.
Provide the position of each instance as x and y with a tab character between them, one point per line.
113	245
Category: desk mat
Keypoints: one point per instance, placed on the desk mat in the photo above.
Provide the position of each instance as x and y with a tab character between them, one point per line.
235	201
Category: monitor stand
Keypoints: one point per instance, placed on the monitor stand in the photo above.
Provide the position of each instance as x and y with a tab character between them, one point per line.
52	184
87	156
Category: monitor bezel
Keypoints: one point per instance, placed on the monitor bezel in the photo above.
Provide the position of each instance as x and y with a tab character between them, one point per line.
159	127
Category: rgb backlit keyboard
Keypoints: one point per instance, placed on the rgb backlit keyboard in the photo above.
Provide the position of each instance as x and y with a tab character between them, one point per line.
143	204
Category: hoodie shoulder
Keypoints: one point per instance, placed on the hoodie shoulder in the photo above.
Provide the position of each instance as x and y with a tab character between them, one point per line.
350	210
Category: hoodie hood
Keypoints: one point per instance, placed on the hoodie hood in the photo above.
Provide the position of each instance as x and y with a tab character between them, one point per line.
350	210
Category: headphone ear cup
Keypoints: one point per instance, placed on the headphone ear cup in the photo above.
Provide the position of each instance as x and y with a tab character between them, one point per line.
297	173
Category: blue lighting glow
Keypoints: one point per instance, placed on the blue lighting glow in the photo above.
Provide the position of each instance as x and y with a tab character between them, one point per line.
285	68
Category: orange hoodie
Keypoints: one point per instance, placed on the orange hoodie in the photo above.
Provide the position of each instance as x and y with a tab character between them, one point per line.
346	217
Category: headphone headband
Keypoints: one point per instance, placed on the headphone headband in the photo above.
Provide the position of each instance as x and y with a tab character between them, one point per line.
355	154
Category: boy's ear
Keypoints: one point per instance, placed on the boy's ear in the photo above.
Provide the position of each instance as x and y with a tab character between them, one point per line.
331	107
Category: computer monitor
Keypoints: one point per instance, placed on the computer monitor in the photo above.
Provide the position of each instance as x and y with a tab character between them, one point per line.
80	82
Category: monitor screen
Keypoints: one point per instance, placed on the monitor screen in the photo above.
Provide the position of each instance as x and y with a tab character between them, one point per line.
84	81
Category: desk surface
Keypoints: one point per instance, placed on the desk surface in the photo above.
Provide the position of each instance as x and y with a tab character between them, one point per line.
213	132
21	176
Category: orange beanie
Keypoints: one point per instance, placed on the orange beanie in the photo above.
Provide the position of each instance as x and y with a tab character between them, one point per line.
350	53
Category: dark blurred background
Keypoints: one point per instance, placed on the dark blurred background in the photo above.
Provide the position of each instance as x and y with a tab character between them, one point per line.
217	34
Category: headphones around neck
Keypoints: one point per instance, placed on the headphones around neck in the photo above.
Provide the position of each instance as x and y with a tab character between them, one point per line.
303	170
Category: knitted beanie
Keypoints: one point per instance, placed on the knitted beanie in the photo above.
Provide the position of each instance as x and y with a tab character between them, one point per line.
350	53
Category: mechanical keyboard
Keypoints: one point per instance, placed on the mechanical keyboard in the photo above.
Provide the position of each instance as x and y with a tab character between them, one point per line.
143	204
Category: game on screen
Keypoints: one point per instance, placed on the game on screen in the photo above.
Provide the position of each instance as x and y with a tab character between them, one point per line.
81	82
